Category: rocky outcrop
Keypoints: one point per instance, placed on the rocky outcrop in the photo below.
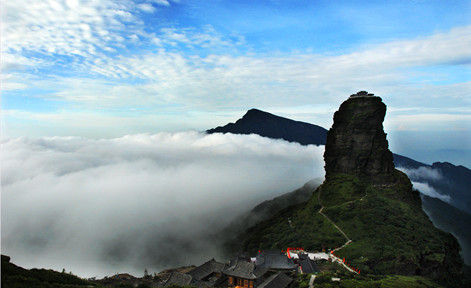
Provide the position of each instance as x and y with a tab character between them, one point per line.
356	143
366	201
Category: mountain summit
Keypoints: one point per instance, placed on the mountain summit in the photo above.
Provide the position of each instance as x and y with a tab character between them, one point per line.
365	211
268	125
356	143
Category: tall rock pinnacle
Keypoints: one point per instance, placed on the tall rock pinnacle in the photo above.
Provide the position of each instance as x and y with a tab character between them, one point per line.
356	143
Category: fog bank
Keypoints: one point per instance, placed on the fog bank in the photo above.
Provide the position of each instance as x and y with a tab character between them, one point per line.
426	189
97	207
422	175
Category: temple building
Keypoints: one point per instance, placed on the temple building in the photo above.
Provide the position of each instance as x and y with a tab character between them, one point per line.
271	269
275	260
243	273
208	274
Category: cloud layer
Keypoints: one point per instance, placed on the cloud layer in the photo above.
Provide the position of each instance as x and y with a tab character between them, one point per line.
426	189
422	173
421	176
97	207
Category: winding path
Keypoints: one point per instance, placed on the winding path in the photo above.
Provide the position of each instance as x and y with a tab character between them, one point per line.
331	255
338	228
332	222
335	258
311	281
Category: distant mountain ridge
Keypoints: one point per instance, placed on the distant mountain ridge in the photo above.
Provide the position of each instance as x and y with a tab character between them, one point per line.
272	126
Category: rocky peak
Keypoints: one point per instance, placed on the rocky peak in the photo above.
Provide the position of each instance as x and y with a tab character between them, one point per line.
256	112
356	143
265	124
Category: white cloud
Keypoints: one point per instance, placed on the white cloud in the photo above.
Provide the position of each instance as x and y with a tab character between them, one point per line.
425	189
421	176
161	2
206	37
440	48
96	124
146	7
71	28
123	204
11	82
423	173
430	121
173	70
17	62
432	117
219	79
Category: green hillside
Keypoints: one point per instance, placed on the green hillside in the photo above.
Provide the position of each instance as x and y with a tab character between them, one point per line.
390	233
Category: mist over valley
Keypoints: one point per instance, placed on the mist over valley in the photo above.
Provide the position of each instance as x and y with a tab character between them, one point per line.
97	207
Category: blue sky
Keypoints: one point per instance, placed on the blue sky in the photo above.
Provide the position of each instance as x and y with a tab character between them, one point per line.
108	68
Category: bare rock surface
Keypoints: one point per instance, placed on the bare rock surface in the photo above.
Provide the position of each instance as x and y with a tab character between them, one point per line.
356	143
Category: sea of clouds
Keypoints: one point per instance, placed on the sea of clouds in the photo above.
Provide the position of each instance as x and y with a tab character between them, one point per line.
101	206
420	178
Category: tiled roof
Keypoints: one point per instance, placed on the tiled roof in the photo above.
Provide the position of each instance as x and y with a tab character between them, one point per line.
244	269
178	279
279	280
206	269
274	260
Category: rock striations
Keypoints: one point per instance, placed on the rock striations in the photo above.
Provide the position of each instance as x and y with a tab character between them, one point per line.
356	143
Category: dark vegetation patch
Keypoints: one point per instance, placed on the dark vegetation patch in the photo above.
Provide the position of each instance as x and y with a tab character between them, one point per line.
15	277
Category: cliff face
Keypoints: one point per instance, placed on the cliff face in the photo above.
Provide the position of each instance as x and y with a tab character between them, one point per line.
356	143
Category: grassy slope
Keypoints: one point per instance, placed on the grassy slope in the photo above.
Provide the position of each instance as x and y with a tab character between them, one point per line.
303	231
390	232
